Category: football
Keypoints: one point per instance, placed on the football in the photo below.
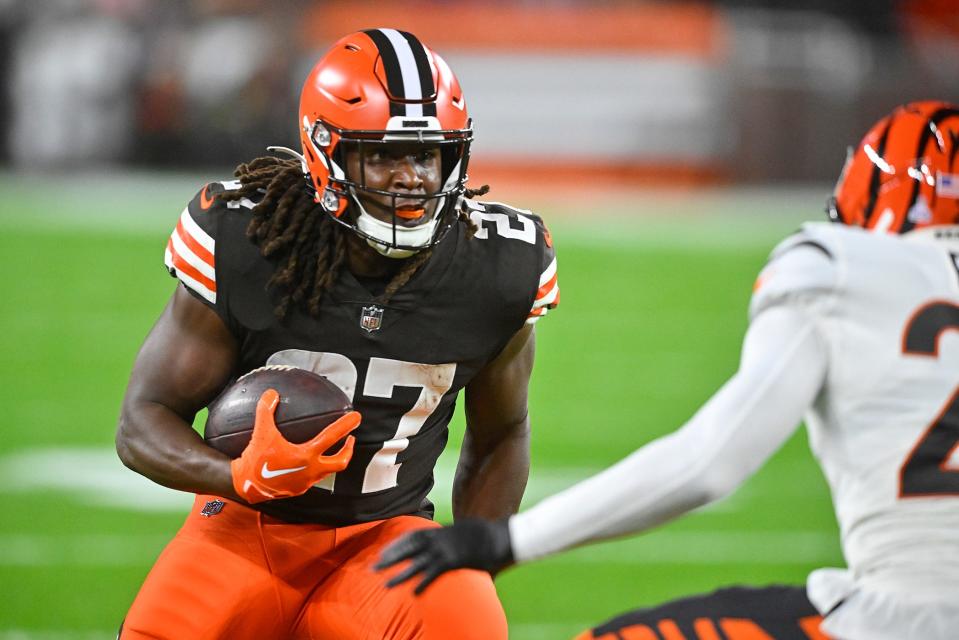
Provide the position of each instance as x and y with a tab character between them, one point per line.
308	403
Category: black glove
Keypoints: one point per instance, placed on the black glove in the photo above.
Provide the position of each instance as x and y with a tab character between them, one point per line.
468	544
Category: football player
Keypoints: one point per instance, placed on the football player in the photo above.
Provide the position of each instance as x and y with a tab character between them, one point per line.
362	259
854	326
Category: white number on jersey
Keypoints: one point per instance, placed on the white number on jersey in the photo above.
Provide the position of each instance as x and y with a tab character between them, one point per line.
382	376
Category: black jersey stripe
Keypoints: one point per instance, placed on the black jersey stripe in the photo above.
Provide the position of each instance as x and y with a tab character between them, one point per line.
427	87
813	245
391	65
927	132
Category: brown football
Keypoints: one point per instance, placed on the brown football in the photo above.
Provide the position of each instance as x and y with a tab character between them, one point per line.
308	403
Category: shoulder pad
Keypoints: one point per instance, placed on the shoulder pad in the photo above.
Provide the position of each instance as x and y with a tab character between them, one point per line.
191	254
498	220
207	200
804	263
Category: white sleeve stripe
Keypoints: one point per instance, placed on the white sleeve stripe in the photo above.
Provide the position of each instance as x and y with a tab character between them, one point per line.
198	234
549	273
197	286
549	298
187	280
533	319
191	258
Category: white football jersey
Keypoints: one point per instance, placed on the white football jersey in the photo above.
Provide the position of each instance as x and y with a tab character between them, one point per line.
885	425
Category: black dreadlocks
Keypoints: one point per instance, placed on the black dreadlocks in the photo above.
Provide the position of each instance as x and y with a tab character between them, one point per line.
308	246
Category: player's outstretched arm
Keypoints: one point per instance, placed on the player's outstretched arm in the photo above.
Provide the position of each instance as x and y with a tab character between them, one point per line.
493	466
782	369
186	359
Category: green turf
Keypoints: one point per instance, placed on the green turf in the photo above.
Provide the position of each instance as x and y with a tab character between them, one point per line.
650	324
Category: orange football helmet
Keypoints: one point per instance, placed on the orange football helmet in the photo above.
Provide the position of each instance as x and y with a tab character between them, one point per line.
377	87
904	174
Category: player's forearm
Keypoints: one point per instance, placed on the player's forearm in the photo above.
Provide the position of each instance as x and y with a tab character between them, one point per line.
490	480
782	368
158	444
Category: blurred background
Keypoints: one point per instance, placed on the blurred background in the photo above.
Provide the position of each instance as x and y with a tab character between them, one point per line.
736	91
669	145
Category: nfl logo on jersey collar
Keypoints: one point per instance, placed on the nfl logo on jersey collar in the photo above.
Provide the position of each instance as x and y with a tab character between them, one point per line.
371	318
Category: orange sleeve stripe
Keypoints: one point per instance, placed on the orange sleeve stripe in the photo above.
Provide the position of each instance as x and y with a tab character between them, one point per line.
546	288
187	269
198	249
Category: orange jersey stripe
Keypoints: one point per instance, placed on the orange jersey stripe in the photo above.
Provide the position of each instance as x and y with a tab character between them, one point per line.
546	288
187	269
198	249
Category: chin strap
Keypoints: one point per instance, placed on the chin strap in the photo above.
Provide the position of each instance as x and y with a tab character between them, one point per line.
374	230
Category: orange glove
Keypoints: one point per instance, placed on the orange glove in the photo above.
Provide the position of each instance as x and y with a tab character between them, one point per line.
273	467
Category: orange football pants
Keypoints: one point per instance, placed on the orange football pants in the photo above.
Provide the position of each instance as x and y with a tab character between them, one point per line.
240	575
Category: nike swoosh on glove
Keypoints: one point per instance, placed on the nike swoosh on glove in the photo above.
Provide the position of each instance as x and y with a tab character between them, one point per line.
273	467
468	544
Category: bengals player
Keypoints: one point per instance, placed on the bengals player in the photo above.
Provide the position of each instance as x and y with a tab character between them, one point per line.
362	259
854	327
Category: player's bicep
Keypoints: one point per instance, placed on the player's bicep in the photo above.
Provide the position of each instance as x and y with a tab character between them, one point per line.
497	397
186	359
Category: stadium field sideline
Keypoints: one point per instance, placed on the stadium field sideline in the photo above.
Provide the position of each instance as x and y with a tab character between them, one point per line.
654	293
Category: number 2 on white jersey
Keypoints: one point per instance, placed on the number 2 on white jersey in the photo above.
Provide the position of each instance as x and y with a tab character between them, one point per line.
924	472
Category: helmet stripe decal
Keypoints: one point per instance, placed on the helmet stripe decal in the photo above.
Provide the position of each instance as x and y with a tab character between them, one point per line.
876	171
427	88
391	65
927	132
412	90
408	75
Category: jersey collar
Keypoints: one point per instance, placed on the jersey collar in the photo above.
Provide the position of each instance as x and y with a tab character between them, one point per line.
946	236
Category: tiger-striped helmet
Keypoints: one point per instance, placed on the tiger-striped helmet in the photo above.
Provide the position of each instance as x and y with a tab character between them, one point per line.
377	87
905	173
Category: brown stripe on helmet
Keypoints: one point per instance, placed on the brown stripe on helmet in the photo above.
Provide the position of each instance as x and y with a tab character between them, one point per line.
427	87
391	65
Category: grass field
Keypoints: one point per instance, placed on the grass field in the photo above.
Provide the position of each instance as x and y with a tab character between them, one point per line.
655	288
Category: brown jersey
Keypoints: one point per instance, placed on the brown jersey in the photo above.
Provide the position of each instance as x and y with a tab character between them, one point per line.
402	363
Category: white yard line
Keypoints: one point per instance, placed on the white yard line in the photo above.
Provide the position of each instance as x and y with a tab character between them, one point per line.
96	477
